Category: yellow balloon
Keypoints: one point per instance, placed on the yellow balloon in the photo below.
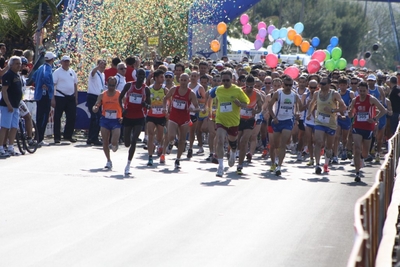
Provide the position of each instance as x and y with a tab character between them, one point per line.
221	28
215	46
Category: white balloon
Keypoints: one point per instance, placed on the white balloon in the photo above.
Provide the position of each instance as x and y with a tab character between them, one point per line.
269	49
270	38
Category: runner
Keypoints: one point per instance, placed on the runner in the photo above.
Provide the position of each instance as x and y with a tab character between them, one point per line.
362	108
299	135
230	99
110	121
309	119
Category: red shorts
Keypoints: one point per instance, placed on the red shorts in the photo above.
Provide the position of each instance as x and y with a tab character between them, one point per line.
180	121
232	131
270	130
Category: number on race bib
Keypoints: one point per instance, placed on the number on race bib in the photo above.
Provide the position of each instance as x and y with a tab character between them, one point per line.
110	114
179	104
156	110
246	112
324	118
363	116
225	107
135	98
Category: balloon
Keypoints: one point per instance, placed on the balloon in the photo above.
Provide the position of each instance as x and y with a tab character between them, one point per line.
276	47
313	66
259	38
215	46
262	32
244	19
271	60
269	49
355	62
327	55
258	44
310	51
270	29
297	40
246	29
289	42
279	41
319	55
270	38
336	53
275	34
262	24
367	55
299	27
315	41
334	41
221	28
362	62
290	34
304	46
283	33
292	72
342	63
375	47
330	64
329	48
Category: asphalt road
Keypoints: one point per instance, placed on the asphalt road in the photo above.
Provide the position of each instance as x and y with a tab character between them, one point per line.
59	207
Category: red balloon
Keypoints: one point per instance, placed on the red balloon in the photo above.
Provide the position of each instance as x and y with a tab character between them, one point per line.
362	62
355	62
293	72
313	66
319	55
272	60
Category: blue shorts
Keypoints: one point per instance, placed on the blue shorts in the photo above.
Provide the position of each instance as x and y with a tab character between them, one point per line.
344	124
325	129
258	122
311	126
366	134
382	123
9	119
282	125
110	124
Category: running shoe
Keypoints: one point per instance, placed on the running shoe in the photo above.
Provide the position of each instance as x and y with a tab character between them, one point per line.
318	169
108	165
209	158
200	151
326	169
4	154
232	159
310	162
31	142
162	159
169	148
127	169
272	168
352	162
239	170
177	164
335	160
377	158
190	153
159	151
349	155
214	159
369	158
150	162
278	171
249	157
344	155
220	171
303	156
299	156
12	152
237	154
358	177
144	140
43	143
264	153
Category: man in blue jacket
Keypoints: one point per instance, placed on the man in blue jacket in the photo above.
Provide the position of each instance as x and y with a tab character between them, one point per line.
44	92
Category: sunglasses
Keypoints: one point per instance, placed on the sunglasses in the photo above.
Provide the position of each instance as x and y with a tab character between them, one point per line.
242	81
355	83
217	81
226	80
122	68
249	86
168	76
323	84
312	87
267	83
289	84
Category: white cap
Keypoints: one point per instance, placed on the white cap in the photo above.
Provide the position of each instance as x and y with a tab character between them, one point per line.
171	66
65	58
371	77
49	56
219	64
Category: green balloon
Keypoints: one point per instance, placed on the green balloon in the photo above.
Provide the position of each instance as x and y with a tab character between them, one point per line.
327	55
330	64
342	63
336	53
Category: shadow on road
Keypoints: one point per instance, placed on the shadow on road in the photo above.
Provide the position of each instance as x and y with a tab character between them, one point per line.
272	176
96	170
355	183
317	180
217	183
120	176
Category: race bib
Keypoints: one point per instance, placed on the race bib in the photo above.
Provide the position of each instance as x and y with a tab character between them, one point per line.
156	110
110	114
225	107
179	104
324	118
135	98
362	116
246	112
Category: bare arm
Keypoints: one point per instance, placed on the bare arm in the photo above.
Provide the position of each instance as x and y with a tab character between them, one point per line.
382	109
98	103
194	101
167	97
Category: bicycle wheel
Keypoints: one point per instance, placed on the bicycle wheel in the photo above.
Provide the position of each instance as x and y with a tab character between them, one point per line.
20	139
35	138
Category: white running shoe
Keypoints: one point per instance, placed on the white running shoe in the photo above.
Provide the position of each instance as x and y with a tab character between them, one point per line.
108	165
200	151
127	170
232	159
43	143
220	171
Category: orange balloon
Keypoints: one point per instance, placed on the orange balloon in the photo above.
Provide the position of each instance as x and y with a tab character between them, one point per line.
305	45
291	33
215	46
297	39
221	28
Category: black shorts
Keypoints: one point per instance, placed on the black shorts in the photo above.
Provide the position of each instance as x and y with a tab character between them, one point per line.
156	120
133	122
193	118
247	124
301	125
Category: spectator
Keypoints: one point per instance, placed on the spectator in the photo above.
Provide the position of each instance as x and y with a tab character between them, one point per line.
113	70
395	100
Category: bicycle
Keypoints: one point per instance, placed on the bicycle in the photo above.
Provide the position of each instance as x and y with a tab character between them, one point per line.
22	137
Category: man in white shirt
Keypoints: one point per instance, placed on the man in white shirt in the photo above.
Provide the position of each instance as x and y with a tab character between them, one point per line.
121	72
65	100
96	85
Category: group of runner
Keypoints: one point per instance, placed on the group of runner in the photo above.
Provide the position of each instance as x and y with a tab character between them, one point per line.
231	111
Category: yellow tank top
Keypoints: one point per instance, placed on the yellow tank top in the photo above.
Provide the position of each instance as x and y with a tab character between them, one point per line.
323	118
156	97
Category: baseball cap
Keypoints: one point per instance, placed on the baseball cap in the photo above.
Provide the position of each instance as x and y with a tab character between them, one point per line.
49	56
169	73
219	65
371	77
65	58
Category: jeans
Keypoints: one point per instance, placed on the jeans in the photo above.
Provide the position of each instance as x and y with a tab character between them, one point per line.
42	115
94	127
65	104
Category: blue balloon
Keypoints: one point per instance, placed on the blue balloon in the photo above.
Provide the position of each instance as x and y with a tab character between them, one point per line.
289	42
315	41
310	51
329	48
283	33
334	41
276	48
299	27
275	34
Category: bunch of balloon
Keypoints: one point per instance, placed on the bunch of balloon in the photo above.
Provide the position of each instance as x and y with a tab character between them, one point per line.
336	62
360	62
246	27
261	35
333	43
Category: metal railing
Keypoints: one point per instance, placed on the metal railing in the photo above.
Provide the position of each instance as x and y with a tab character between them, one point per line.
370	210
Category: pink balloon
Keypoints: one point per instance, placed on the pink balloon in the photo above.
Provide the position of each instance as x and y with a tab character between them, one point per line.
262	32
262	24
270	29
246	28
355	62
272	60
362	62
259	38
258	44
319	55
244	19
313	66
292	72
279	41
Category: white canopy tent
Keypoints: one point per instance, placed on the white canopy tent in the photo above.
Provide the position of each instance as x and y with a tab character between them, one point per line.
236	45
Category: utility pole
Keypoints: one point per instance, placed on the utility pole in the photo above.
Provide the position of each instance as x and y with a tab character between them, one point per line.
38	32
